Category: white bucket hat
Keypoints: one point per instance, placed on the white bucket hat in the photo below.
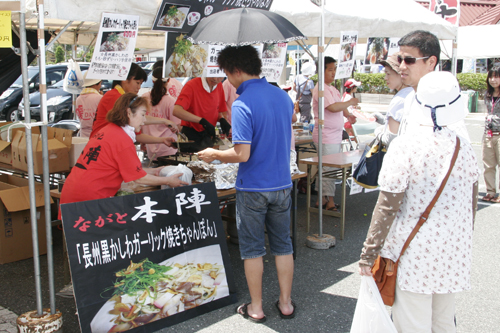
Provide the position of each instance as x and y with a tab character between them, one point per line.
308	68
438	101
89	82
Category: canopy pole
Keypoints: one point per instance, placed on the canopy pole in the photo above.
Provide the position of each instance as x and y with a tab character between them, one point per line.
454	53
45	154
59	35
321	110
29	157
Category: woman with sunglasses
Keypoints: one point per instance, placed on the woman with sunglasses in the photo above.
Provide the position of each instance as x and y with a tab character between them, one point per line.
491	137
110	157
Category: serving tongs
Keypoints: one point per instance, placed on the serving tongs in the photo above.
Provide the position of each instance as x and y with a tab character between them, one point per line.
183	137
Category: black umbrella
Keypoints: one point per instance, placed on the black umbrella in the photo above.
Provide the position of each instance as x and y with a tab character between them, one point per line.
244	26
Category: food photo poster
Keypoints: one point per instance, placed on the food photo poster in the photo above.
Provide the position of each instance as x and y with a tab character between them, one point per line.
147	261
114	48
347	53
185	59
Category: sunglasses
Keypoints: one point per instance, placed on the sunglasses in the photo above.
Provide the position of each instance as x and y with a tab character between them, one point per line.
409	60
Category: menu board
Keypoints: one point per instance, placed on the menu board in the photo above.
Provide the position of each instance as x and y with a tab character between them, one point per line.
183	16
273	58
347	54
146	261
114	48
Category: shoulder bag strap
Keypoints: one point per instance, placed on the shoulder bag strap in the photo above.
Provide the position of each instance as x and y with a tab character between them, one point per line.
427	211
304	85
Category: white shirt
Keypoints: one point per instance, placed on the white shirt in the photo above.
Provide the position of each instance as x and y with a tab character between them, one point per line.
438	259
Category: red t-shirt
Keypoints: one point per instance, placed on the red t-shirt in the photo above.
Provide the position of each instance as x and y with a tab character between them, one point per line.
108	159
195	99
105	105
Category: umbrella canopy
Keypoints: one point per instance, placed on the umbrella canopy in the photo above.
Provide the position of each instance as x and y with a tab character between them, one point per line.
244	26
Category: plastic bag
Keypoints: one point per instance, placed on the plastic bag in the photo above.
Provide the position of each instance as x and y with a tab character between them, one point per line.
187	174
371	315
73	80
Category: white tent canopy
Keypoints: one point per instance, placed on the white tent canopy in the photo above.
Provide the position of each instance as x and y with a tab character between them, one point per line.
381	18
474	42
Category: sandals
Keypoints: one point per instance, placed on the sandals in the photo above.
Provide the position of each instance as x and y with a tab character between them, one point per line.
488	197
284	316
243	310
495	200
491	198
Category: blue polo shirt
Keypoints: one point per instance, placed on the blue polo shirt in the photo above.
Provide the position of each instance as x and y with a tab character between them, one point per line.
262	117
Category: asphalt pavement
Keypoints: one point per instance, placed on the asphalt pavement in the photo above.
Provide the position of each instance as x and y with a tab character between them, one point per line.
326	282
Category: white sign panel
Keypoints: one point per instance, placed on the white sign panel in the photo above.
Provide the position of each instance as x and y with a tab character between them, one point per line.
348	42
114	50
273	61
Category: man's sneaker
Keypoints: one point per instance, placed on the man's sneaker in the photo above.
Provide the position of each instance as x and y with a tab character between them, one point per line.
66	292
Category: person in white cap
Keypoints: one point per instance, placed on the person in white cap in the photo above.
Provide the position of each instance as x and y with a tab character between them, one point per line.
86	104
437	262
304	86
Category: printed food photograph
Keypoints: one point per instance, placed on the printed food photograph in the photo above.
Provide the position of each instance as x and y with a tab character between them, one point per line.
114	41
377	50
173	16
347	52
271	51
145	291
187	60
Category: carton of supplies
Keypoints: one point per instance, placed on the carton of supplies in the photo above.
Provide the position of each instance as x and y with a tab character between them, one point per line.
76	149
6	131
59	144
15	229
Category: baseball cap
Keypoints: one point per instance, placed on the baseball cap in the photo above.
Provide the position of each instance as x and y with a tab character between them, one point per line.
351	83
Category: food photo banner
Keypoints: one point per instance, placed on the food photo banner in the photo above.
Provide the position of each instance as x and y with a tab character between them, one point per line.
183	16
348	42
379	48
114	48
146	261
185	59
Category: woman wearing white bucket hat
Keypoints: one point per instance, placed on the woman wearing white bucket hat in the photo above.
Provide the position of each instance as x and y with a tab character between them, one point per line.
437	263
86	104
303	85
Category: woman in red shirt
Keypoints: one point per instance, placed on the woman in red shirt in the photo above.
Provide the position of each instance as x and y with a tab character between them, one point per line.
110	156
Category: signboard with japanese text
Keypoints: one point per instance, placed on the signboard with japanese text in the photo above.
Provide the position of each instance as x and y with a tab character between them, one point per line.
446	9
5	29
273	59
146	261
114	48
183	16
187	60
393	45
348	42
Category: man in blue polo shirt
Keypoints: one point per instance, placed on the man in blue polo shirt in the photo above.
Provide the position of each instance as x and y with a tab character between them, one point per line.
261	118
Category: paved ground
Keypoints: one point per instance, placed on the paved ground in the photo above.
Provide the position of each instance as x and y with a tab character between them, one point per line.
326	282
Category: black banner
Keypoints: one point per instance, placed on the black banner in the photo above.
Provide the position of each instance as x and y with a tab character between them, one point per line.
147	261
182	16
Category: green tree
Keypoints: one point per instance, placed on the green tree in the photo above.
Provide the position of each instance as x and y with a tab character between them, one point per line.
59	54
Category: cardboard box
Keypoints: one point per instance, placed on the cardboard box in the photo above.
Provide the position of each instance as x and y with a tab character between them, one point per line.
15	221
59	144
6	132
77	146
